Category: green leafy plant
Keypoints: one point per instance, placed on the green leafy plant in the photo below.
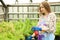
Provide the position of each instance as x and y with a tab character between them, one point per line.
57	28
17	30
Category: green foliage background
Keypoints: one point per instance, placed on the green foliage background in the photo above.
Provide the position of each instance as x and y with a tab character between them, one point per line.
16	30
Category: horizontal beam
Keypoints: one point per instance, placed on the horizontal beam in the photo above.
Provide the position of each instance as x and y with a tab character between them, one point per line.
25	18
28	12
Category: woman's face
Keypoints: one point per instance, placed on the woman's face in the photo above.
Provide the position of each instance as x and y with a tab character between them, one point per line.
42	9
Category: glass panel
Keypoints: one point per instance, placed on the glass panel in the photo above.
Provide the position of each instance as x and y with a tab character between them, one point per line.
52	8
57	8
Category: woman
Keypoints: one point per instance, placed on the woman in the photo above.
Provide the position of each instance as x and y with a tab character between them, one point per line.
49	18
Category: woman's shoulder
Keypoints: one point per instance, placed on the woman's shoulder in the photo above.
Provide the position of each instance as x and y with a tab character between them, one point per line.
52	14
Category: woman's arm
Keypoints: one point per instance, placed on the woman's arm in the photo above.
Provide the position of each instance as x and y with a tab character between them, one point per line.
52	23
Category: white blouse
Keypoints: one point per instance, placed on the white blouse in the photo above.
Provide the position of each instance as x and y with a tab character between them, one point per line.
49	21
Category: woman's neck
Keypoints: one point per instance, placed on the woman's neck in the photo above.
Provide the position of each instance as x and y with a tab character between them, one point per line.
46	14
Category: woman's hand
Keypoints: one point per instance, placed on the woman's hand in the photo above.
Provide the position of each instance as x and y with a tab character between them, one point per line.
44	28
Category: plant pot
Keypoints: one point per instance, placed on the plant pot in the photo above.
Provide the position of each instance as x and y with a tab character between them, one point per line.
57	37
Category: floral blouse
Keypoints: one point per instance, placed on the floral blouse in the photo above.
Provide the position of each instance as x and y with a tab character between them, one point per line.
50	21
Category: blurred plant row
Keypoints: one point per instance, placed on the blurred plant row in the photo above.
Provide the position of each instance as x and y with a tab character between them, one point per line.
17	30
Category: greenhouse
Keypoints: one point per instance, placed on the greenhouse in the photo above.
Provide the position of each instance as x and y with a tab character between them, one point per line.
17	19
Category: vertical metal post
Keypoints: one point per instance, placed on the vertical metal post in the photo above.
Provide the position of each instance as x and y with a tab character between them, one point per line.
6	14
